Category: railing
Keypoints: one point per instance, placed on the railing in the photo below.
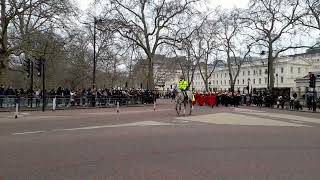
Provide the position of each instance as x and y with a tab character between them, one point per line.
65	102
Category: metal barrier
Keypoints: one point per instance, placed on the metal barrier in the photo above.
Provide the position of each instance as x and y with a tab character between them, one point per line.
65	102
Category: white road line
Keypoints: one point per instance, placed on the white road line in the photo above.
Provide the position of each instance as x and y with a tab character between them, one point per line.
141	124
247	110
24	133
127	112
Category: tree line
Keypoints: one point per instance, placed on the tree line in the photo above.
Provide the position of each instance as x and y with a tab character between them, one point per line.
128	31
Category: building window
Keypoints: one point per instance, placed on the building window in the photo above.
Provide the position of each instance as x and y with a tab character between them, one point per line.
282	70
248	73
225	75
238	82
266	71
221	76
214	75
259	80
291	69
266	80
260	72
225	82
217	82
281	79
243	73
254	81
254	72
242	81
221	83
229	82
299	70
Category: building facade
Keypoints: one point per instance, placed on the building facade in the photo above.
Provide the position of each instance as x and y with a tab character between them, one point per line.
288	69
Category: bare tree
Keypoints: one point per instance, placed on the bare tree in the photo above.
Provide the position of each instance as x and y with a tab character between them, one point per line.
23	18
189	64
206	44
234	43
273	21
149	24
184	48
78	61
312	14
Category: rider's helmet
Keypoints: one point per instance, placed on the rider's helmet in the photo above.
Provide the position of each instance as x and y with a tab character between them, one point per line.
181	77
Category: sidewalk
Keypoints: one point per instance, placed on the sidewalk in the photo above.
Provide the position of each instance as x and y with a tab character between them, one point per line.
304	109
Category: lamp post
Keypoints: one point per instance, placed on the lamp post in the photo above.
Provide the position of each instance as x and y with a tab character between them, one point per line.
248	85
277	75
268	70
96	21
94	54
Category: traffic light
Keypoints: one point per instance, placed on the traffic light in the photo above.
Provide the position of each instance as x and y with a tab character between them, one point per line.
39	67
27	66
312	80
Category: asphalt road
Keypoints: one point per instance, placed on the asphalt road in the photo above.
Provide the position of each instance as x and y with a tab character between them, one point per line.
140	144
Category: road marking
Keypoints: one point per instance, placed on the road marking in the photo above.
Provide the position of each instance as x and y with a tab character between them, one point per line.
237	119
141	124
45	117
24	133
247	110
127	112
25	114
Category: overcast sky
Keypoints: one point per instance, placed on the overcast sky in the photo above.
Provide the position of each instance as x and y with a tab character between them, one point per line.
224	3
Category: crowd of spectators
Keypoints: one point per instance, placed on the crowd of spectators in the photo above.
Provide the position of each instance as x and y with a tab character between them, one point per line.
92	97
72	97
259	99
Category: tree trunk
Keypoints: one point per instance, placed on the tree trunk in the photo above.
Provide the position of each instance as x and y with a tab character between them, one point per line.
272	73
270	68
232	86
206	84
231	80
4	44
150	78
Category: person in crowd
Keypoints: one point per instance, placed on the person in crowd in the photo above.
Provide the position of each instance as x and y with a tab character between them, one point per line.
2	95
38	97
72	97
9	93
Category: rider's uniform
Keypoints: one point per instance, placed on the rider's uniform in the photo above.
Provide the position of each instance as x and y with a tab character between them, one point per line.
183	85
